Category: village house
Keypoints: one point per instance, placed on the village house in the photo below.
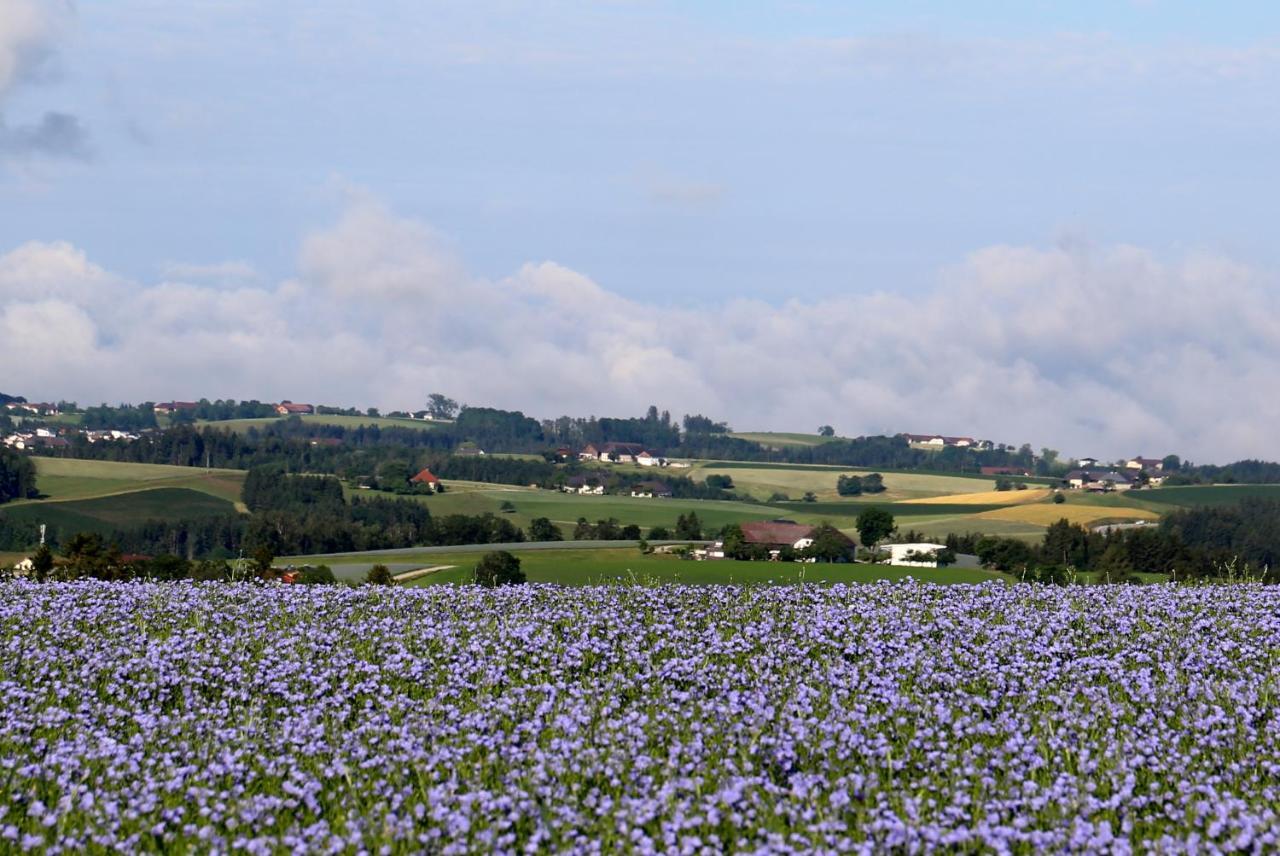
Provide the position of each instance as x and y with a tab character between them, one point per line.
288	408
941	441
584	485
611	452
1097	481
919	555
468	452
427	478
650	459
651	490
1149	465
32	408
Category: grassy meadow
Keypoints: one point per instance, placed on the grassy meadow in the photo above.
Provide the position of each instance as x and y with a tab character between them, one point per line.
338	420
121	511
577	567
66	479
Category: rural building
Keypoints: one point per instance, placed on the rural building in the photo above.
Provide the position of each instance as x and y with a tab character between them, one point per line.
621	452
1150	465
468	452
651	459
288	408
942	441
428	478
1086	463
920	555
169	408
1097	481
651	490
584	485
776	534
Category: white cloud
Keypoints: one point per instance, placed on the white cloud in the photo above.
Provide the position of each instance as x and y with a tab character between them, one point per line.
1105	351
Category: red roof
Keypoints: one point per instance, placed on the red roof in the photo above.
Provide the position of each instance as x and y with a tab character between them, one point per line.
775	532
290	407
425	477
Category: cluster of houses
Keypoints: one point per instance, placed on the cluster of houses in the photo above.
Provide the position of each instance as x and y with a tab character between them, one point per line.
627	453
1089	476
48	438
29	408
596	484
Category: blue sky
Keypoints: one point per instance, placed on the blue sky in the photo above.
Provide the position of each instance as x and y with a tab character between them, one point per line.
683	157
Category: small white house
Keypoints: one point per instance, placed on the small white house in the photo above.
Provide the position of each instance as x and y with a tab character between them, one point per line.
920	555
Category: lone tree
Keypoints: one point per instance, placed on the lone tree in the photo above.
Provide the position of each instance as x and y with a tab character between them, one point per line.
380	575
826	431
440	406
499	568
874	525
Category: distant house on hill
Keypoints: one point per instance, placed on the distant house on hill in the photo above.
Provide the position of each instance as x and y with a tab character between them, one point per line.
942	441
651	490
288	408
468	452
428	478
1150	465
168	408
1097	481
585	485
620	452
650	459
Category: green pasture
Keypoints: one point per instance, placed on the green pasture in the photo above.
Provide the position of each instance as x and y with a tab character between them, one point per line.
564	509
627	566
65	479
782	438
763	480
125	510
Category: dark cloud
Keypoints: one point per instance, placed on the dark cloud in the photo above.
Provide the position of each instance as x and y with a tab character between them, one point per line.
56	135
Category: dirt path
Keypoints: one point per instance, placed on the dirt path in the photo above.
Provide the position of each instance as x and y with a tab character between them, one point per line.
421	572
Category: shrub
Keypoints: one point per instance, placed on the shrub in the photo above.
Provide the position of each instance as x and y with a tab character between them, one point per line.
380	575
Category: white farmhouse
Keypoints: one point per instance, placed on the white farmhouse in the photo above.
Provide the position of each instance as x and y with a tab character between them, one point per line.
921	555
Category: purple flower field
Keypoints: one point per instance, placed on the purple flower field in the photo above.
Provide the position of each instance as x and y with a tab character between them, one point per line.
910	718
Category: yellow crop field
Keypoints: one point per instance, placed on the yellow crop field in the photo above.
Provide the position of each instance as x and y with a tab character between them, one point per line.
1046	514
989	497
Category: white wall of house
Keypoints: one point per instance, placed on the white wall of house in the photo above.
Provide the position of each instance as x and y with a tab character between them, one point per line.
898	554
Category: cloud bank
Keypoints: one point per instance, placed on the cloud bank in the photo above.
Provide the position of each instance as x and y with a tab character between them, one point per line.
1102	351
29	29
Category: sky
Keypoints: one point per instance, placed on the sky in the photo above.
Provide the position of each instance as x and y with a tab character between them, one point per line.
1035	222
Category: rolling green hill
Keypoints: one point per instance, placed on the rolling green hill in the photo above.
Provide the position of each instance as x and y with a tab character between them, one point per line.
120	511
63	479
